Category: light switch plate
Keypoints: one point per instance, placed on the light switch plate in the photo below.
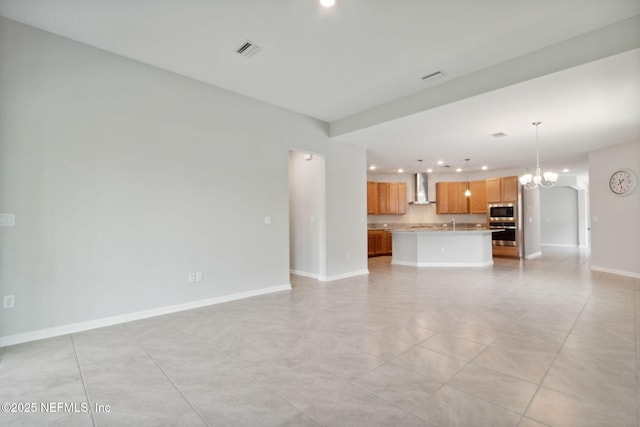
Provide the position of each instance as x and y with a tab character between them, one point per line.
9	301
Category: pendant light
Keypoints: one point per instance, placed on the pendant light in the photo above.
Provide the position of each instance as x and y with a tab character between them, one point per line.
467	192
543	180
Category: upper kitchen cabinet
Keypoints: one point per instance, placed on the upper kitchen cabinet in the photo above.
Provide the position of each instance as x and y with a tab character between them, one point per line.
398	198
442	197
387	198
478	199
450	198
372	198
504	189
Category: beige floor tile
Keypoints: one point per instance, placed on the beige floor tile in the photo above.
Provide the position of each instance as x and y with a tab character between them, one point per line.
450	407
402	387
559	409
495	387
430	363
609	377
353	406
526	365
372	350
528	422
453	346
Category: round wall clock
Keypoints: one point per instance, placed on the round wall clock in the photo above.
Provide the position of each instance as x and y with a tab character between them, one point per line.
622	182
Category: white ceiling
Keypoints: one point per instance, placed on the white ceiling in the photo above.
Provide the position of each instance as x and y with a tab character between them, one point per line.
340	63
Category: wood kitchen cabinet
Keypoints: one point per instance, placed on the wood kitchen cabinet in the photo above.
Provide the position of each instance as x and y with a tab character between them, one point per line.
372	198
478	199
450	198
398	198
383	198
504	189
509	188
386	198
379	242
442	197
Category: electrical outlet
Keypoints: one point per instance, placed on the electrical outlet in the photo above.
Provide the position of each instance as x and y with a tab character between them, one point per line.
198	276
7	219
192	277
9	301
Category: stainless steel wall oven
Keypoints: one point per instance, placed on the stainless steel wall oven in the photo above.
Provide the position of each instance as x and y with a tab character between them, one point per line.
508	236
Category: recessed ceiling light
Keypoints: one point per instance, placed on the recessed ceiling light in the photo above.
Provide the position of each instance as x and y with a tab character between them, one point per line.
485	167
441	162
400	170
458	169
372	167
429	170
565	170
327	3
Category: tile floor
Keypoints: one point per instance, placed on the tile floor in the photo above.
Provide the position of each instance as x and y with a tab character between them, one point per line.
534	343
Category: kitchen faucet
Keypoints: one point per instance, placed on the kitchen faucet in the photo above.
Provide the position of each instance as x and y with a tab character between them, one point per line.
453	222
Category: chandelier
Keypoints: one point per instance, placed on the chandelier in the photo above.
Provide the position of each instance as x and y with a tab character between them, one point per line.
538	179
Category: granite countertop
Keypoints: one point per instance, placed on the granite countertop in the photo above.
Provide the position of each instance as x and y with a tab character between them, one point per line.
478	230
430	227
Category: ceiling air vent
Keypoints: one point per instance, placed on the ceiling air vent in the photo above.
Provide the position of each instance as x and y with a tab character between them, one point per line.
248	49
499	135
433	76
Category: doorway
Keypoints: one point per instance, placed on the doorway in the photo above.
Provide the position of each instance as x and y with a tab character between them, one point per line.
307	214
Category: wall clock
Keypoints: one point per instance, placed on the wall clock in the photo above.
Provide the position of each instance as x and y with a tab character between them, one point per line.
622	182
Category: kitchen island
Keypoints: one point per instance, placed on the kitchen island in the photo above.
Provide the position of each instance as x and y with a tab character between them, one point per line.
429	247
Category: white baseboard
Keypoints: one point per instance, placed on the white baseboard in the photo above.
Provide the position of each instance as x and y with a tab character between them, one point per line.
129	317
558	245
304	274
614	271
343	275
533	255
443	264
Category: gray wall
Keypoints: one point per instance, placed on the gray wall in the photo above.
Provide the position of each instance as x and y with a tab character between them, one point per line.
124	178
559	213
615	220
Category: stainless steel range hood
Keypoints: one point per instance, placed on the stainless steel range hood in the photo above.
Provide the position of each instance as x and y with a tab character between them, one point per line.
421	194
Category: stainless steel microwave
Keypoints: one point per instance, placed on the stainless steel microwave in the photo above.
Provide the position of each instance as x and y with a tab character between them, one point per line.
503	212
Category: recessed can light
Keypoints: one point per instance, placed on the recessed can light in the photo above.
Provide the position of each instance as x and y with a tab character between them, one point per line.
372	167
400	170
484	168
429	170
458	169
441	162
327	3
565	170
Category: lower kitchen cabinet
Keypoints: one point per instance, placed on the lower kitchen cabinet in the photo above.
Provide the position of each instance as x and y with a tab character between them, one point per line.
379	242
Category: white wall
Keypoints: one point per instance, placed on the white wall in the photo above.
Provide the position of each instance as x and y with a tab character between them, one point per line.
124	178
559	212
307	214
615	220
531	225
